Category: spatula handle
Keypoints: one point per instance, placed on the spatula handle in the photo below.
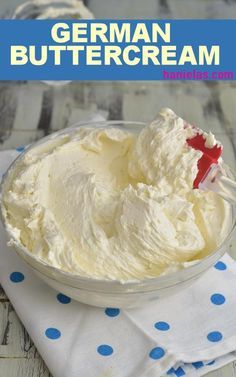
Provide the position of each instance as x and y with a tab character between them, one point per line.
218	182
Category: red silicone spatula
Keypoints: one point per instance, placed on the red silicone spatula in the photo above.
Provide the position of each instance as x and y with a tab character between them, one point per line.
210	174
210	156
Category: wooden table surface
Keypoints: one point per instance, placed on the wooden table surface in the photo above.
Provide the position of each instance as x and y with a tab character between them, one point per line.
30	110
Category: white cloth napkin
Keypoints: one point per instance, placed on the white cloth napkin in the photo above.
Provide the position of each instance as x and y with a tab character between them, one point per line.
188	334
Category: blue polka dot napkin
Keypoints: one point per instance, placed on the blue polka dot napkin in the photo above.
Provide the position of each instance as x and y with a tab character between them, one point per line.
188	334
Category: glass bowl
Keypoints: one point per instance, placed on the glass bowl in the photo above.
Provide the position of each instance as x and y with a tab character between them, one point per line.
51	9
104	293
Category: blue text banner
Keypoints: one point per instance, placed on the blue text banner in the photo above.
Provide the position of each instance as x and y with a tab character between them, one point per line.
117	50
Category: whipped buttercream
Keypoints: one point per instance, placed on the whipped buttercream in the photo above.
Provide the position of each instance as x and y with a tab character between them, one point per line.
111	204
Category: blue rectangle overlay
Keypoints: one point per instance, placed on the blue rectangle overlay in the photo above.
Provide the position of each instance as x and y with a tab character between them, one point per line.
117	50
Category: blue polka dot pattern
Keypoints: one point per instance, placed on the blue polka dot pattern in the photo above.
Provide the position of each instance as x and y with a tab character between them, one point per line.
105	350
20	149
63	299
217	299
211	362
198	364
179	372
112	312
162	326
17	277
220	266
156	353
170	371
52	333
214	336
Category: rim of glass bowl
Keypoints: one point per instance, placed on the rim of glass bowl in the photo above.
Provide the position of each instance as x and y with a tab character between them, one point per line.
170	279
33	9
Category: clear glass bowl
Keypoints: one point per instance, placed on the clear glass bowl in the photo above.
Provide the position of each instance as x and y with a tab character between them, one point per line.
106	293
51	9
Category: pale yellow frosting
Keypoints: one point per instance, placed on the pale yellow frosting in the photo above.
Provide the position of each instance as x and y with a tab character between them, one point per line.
109	204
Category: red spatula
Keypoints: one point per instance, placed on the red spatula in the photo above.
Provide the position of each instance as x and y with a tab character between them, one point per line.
210	174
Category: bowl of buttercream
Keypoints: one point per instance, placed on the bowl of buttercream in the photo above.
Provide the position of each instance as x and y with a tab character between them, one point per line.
105	212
